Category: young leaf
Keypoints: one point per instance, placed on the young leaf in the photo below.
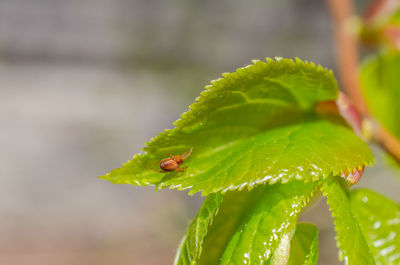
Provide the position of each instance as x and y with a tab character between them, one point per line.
380	83
282	251
350	239
304	245
192	243
257	125
379	219
248	227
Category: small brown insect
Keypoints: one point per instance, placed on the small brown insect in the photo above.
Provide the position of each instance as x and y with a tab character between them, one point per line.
173	163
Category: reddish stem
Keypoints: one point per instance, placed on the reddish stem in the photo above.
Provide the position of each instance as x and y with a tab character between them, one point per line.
388	141
347	50
347	55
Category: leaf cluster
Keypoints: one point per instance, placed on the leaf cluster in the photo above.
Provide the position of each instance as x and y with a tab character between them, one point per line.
262	150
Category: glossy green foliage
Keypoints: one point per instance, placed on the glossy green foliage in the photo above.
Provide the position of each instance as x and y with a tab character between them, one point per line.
304	245
257	125
192	243
380	83
350	239
379	219
248	227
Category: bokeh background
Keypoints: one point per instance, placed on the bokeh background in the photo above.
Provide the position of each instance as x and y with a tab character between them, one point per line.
84	83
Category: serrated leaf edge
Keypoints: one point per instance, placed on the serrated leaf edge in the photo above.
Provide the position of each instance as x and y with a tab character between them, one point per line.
338	244
220	83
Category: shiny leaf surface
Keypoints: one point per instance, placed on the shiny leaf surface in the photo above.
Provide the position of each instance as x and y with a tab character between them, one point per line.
304	245
257	125
349	236
248	227
192	243
379	219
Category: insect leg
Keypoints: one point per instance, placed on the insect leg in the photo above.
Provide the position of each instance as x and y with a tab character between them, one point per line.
180	169
160	171
186	154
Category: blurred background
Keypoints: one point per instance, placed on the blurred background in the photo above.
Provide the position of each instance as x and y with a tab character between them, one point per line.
84	83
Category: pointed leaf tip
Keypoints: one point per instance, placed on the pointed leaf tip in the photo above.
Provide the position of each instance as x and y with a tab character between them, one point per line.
257	125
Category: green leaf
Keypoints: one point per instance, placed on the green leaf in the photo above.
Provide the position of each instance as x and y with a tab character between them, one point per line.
257	125
304	245
380	83
192	243
248	227
379	219
350	239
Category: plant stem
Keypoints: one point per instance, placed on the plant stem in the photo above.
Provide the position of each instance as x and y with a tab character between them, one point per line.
347	50
388	141
348	60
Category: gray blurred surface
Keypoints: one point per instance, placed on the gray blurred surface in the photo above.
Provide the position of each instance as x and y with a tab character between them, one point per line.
84	84
222	34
